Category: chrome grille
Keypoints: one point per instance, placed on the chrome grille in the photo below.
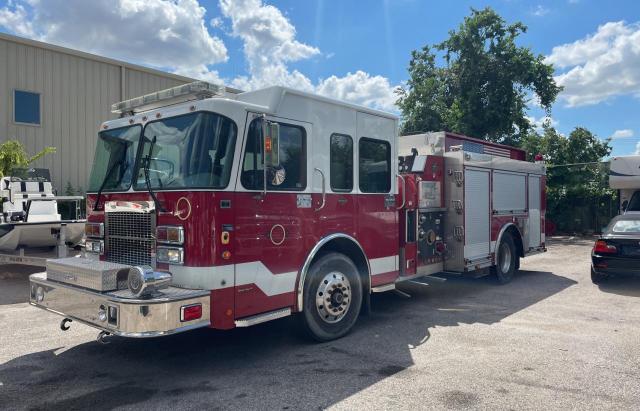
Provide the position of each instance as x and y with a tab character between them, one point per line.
129	237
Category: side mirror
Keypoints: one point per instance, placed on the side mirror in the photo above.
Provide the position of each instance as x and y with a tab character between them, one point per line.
625	204
271	134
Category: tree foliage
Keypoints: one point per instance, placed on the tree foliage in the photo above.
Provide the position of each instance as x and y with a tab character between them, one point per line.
483	86
13	154
577	177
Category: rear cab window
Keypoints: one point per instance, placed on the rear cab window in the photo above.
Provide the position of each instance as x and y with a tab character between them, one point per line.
374	165
341	162
625	227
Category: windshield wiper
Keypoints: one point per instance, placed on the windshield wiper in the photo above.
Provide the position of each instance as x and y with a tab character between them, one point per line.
147	180
104	182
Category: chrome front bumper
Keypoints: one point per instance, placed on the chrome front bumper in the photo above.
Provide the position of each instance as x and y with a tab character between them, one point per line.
134	317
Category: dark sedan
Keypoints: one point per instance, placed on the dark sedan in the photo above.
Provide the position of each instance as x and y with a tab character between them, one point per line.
617	251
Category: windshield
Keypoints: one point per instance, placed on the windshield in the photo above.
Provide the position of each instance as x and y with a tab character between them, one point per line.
634	204
30	174
194	151
115	156
625	227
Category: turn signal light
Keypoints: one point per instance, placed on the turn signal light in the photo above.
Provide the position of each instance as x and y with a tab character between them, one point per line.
190	312
94	230
601	247
169	255
170	234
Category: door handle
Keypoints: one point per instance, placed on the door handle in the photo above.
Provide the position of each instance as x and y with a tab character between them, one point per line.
342	201
324	191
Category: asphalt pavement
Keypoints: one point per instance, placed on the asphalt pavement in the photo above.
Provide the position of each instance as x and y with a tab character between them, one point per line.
548	340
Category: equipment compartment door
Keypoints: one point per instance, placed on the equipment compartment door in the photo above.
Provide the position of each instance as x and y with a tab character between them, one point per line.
534	211
477	232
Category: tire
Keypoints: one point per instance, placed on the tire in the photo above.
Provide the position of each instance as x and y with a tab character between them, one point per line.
332	297
506	260
598	278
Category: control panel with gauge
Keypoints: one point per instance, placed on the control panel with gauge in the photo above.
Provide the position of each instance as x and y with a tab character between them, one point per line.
423	219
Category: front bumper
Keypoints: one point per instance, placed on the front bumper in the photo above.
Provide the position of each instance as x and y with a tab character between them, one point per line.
134	317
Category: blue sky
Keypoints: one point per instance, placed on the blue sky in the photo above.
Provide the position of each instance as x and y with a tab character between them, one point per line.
357	50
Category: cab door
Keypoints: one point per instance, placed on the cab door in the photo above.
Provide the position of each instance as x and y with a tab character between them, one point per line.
271	221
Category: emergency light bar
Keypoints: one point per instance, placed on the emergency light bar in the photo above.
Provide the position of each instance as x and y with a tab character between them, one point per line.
185	92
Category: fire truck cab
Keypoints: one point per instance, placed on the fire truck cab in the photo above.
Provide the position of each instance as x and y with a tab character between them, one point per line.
222	209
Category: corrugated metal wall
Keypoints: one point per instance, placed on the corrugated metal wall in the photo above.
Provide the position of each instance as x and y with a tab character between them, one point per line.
76	94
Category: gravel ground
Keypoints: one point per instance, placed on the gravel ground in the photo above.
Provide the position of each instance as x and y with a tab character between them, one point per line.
548	340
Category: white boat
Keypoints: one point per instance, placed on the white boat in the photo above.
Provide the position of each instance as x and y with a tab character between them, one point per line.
624	175
30	215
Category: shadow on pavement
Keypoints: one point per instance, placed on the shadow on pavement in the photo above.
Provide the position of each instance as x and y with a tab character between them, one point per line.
267	366
626	286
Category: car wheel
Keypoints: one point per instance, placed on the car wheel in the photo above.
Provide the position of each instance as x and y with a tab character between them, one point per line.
506	260
332	297
598	278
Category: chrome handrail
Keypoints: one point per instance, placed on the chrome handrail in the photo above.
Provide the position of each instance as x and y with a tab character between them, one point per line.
324	191
404	191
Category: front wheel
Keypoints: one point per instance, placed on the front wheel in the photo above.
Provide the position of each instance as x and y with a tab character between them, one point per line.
506	260
332	297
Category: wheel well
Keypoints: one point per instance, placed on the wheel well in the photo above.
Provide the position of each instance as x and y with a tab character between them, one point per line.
517	239
353	251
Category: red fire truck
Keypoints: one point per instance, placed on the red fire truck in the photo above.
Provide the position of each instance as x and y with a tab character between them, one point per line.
214	208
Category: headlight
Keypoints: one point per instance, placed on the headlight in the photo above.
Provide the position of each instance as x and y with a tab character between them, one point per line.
94	246
94	230
143	281
170	255
170	234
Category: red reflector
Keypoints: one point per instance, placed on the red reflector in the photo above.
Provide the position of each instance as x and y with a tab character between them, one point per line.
601	247
190	312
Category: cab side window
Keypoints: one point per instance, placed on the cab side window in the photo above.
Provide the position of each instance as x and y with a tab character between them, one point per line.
374	165
341	162
291	175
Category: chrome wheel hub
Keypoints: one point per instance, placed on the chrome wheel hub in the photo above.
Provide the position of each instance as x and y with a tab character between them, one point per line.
333	297
504	258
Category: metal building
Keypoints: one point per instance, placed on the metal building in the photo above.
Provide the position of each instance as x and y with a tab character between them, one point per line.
55	96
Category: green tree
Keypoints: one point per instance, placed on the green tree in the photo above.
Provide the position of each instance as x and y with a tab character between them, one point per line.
13	154
578	195
483	86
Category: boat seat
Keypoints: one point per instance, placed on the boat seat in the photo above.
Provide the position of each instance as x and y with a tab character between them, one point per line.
17	193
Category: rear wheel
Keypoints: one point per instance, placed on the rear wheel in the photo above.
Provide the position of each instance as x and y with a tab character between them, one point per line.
506	260
598	278
332	297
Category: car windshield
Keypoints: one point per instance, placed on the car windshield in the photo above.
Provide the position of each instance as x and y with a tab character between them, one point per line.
625	227
189	151
114	159
634	204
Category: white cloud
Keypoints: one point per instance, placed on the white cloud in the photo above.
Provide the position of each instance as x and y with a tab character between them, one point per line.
539	123
17	20
161	33
216	22
637	153
361	88
624	133
600	66
270	43
172	34
540	11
